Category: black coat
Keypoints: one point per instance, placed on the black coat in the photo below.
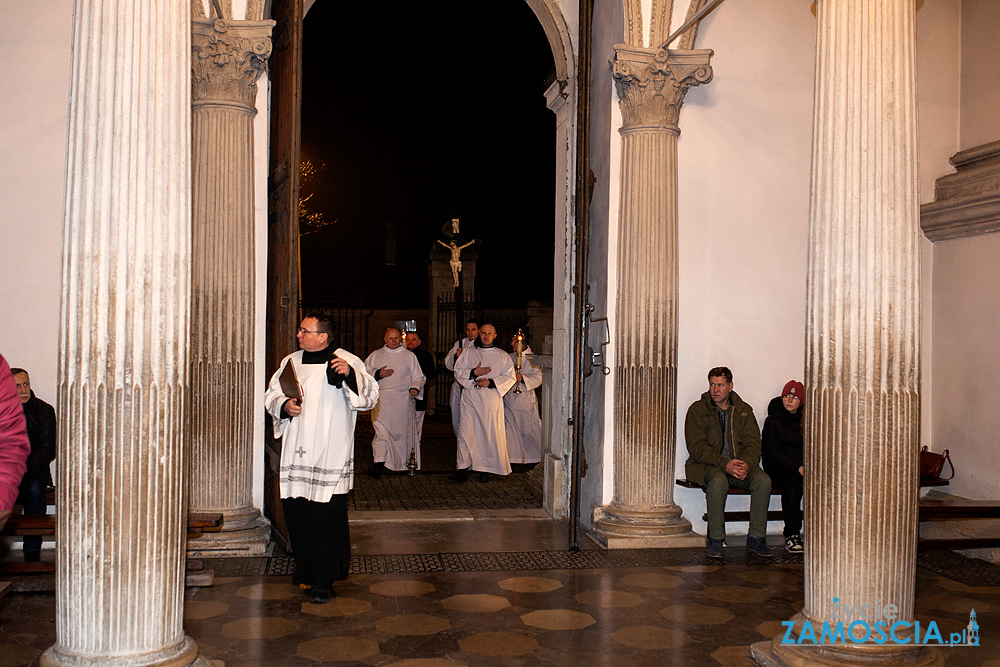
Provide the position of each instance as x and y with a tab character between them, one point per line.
782	438
41	422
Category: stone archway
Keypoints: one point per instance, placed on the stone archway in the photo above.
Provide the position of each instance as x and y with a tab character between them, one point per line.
557	397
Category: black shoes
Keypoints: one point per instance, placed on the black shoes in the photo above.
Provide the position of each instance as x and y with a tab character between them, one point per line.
321	594
713	548
375	472
460	475
484	477
758	546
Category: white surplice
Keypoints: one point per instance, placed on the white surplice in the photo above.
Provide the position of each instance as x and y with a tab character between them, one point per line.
394	417
317	450
482	442
520	414
455	400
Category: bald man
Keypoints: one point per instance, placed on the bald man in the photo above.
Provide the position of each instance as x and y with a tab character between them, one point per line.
400	381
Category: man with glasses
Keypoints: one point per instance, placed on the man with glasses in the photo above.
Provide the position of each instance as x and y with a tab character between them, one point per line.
723	442
314	411
40	418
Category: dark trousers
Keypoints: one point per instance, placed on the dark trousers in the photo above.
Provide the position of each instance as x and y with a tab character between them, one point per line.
790	483
717	485
32	499
320	539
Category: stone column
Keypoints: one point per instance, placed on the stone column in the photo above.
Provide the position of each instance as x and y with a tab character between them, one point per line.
862	336
123	341
651	87
227	59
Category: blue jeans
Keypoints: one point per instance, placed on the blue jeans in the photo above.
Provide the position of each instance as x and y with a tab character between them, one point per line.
32	498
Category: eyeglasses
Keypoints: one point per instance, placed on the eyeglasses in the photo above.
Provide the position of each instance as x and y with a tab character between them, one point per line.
305	331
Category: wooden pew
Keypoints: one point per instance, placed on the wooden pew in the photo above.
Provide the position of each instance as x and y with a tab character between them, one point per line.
198	523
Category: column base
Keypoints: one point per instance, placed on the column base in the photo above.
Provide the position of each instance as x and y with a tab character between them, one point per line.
618	527
554	475
767	654
182	654
244	533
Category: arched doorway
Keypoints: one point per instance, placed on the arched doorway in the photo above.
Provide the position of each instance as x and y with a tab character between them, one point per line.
560	98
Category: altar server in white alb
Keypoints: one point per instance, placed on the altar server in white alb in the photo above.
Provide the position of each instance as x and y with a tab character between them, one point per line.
520	410
400	380
317	451
454	354
486	374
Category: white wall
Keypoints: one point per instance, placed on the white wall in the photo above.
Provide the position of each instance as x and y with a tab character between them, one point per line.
745	154
966	361
744	172
965	287
33	117
980	72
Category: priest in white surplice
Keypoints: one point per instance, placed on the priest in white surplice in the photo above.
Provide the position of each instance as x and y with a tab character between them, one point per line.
520	412
400	380
317	451
454	354
486	373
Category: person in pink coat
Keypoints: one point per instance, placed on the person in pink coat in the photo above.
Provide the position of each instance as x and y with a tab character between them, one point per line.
14	446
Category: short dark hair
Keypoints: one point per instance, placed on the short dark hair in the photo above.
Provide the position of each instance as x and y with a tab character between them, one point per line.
721	372
16	371
473	321
324	322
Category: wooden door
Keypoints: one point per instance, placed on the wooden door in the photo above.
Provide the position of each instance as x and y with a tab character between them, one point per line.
285	70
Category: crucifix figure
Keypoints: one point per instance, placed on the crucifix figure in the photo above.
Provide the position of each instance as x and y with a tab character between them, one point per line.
456	262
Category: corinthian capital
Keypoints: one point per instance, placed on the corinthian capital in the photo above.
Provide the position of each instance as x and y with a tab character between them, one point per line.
227	58
652	83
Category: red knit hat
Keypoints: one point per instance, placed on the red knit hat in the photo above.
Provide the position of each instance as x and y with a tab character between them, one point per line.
795	388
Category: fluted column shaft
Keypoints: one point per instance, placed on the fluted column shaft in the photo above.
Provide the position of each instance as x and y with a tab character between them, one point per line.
123	347
862	330
227	59
651	87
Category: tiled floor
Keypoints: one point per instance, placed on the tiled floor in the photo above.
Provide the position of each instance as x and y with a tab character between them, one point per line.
430	489
692	613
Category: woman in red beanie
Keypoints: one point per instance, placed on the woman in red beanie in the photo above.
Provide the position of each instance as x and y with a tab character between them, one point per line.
782	456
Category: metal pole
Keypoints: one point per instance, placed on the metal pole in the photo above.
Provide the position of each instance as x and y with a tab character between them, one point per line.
581	288
702	13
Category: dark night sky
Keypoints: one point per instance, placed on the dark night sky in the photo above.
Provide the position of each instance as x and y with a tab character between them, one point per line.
438	114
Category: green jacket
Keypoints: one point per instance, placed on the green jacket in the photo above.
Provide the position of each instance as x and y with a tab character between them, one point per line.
703	433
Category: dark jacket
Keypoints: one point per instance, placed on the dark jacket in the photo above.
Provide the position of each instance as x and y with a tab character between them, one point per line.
703	433
41	420
782	438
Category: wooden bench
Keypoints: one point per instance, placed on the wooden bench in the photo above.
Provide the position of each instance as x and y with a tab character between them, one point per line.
772	515
776	515
198	523
949	509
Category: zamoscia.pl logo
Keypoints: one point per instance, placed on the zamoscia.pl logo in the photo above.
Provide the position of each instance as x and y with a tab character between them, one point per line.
877	623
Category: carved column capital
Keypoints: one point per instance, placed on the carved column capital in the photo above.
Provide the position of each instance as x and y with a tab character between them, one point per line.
652	83
227	58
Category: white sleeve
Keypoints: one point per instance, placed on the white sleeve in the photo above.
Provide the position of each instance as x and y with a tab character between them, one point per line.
367	395
532	375
462	368
274	400
449	360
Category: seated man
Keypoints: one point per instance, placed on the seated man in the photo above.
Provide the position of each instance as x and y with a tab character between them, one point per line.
723	442
40	418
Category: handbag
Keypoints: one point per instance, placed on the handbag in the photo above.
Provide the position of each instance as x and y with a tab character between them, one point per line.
932	464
